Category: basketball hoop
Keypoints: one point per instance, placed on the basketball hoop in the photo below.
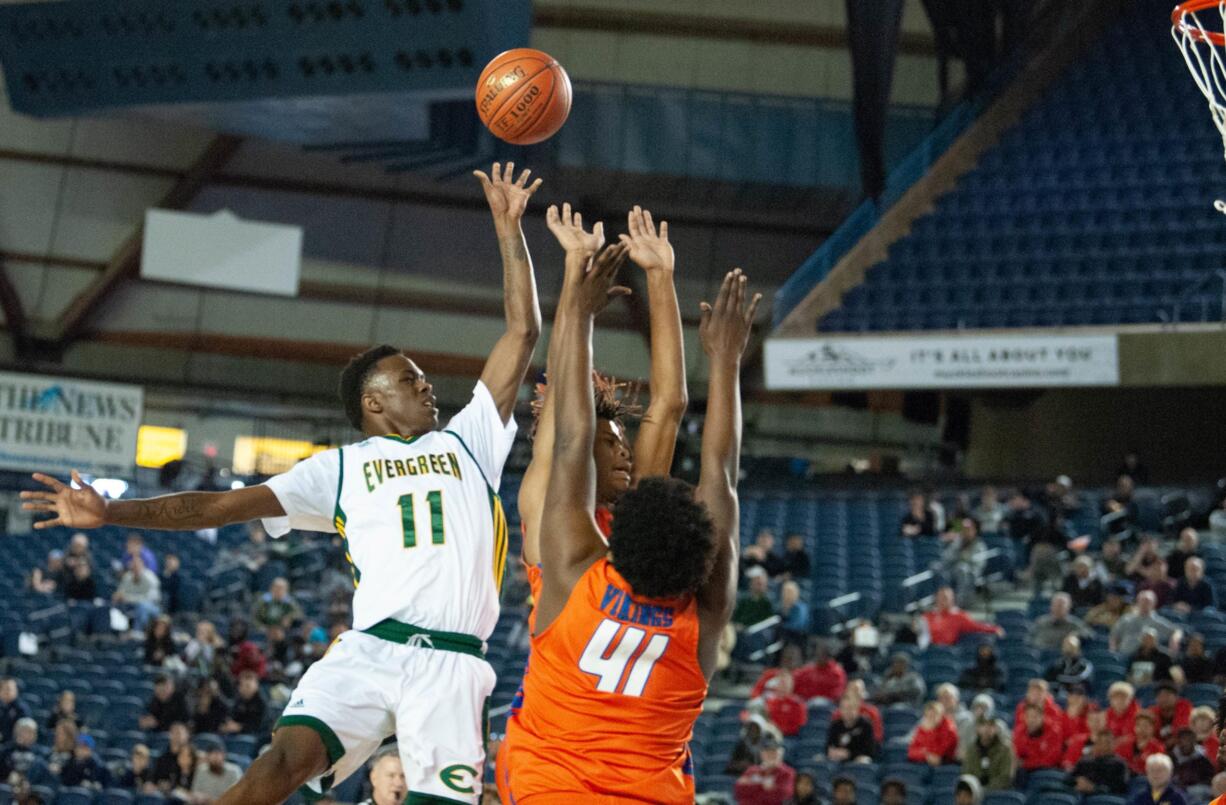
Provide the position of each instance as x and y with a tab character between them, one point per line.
1203	44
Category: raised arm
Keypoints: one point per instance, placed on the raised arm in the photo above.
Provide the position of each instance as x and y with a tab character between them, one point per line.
567	227
569	538
83	507
724	331
508	362
657	437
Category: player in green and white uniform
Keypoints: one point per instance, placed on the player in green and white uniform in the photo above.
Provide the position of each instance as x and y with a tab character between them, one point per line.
426	537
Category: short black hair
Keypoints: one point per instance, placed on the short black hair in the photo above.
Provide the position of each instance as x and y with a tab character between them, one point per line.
841	781
662	541
354	377
896	784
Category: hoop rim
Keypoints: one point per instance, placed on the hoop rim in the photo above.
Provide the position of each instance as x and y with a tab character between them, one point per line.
1195	32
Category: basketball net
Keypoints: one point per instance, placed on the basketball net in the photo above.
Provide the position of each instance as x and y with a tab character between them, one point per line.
1204	50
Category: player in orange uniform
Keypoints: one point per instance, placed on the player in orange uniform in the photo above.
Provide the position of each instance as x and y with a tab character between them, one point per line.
626	636
618	467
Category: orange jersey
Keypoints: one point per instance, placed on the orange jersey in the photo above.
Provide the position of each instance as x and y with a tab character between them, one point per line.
611	699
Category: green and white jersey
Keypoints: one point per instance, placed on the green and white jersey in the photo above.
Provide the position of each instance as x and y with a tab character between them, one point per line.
423	526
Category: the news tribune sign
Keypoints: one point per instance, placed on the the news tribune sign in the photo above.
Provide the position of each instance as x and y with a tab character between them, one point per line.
55	424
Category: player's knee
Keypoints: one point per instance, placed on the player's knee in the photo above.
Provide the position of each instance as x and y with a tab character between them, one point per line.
295	755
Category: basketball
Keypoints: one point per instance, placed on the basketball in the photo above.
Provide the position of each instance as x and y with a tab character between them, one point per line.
523	96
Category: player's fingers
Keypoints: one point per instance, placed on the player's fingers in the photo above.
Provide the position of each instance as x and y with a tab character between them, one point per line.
535	186
38	507
551	214
47	480
620	290
566	216
523	177
634	222
705	315
76	478
496	171
598	231
48	523
649	226
664	230
508	172
753	308
725	293
738	303
38	496
577	220
482	177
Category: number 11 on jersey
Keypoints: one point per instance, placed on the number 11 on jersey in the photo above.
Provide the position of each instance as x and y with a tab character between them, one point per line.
609	665
407	518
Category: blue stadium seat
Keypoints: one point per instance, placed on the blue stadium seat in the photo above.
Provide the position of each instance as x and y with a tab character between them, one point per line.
75	796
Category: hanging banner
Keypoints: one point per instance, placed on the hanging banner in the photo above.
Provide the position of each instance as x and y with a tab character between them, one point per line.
919	362
54	424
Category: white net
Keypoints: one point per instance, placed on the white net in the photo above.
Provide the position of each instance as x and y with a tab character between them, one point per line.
1206	59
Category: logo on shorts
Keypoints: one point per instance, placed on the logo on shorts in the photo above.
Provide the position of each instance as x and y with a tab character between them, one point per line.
299	703
459	778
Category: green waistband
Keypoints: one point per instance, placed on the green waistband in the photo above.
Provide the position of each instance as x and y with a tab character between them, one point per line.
397	632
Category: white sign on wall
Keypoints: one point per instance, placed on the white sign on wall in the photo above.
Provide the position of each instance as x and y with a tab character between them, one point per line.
55	424
920	362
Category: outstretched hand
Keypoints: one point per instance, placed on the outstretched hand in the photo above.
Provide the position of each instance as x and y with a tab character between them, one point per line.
725	326
567	227
596	289
75	508
507	198
649	250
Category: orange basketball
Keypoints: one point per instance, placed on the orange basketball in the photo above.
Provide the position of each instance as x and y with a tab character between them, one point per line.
523	96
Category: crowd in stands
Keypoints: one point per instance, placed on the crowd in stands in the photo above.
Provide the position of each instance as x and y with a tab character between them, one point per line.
1121	683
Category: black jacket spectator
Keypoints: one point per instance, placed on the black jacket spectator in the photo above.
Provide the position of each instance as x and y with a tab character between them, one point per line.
167	711
209	714
985	674
249	713
1156	665
1108	774
796	560
172	583
1198	596
1085	593
12	708
857	739
158	642
1026	524
80	585
85	769
1068	671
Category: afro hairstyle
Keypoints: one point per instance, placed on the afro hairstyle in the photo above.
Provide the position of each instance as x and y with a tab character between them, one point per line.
354	377
615	400
663	542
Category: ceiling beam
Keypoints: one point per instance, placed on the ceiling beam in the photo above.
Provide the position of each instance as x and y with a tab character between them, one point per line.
744	29
125	262
14	315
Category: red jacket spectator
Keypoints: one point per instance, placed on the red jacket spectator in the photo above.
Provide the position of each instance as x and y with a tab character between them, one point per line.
763	682
1038	743
1052	714
1135	753
788	712
827	680
1167	726
1212	745
1123	725
873	715
940	740
945	627
763	785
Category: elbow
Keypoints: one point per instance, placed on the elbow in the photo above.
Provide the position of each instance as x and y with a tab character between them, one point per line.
669	407
527	332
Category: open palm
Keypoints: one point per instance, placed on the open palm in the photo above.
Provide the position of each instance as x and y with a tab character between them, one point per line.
567	227
507	197
649	249
76	508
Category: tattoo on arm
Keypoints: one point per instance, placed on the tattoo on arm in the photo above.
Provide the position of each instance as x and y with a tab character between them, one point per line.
188	510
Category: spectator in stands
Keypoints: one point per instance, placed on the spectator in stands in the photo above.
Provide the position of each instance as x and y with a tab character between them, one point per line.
1082	718
1046	544
1112	560
79	584
49	579
843	791
893	792
986	673
249	708
387	782
209	711
1049	631
1149	663
136	547
1158	771
179	785
1023	521
1133	468
919	520
203	654
936	738
216	775
63	745
1112	609
1193	769
796	562
1038	742
804	791
984	706
277	606
1126	634
786	710
1121	501
1187	547
1101	771
762	554
164	768
861	654
1136	749
851	738
65	710
139	593
947	624
1171	713
12	708
968	791
1122	710
22	759
159	644
989	513
138	774
167	706
1146	554
964	560
78	552
857	688
1156	581
794	628
1072	668
1038	694
755	605
950	699
770	782
987	758
1193	593
172	583
84	769
1082	586
900	684
747	751
790	659
1204	724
